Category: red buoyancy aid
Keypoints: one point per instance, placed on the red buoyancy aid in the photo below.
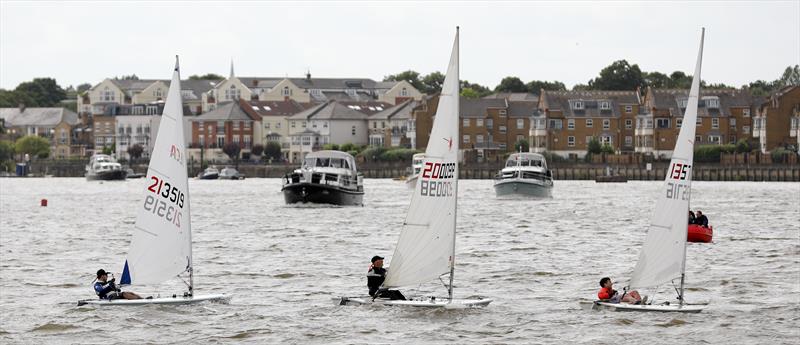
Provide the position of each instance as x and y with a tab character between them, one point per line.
605	293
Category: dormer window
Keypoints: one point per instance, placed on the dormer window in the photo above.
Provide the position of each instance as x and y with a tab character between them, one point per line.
604	105
712	103
683	103
232	93
107	95
287	91
745	112
157	93
577	105
351	92
404	92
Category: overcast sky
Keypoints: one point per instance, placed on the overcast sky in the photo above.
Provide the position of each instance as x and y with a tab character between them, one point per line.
78	42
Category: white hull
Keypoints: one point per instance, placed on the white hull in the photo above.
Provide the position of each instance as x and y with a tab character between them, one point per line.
420	303
411	182
219	298
663	308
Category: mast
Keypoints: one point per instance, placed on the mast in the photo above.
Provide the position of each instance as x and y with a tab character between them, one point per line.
694	91
458	171
179	125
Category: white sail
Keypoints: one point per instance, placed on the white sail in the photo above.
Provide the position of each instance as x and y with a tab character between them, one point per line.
161	245
663	255
426	247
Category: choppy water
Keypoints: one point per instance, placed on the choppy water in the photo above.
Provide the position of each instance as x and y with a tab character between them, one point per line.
282	264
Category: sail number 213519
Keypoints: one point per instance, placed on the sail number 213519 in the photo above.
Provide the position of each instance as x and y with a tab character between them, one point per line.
170	203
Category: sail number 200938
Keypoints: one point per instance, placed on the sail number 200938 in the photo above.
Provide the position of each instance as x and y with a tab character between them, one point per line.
170	203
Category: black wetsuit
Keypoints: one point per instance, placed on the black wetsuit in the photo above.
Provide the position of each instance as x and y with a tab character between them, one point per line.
702	220
375	278
106	290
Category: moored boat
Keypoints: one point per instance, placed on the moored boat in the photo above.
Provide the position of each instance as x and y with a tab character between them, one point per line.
526	174
211	173
700	234
416	167
326	177
104	168
230	173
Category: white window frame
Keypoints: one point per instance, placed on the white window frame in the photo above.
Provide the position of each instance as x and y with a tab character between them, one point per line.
465	138
577	105
520	123
606	123
465	123
605	105
628	123
714	122
628	109
589	123
570	123
571	141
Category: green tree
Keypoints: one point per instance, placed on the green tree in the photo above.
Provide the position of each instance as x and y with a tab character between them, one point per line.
127	77
135	151
521	146
656	80
742	146
433	82
620	75
410	76
511	84
12	99
537	85
83	88
580	87
347	147
791	76
594	147
44	92
6	150
257	149
273	151
207	76
232	150
607	148
480	89
33	145
679	80
333	147
469	93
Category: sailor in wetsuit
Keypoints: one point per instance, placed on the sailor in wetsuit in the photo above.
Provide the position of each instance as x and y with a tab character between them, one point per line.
375	277
106	289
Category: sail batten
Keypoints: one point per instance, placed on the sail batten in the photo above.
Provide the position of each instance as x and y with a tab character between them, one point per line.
662	257
162	249
426	247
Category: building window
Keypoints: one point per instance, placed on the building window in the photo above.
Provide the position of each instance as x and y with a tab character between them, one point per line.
628	109
266	125
479	139
235	125
733	139
713	139
287	91
465	123
699	121
313	124
662	123
220	141
714	123
520	137
232	93
502	113
236	139
682	103
746	129
353	130
628	124
698	139
589	123
247	125
466	138
732	122
157	93
304	124
404	93
678	123
571	124
502	129
316	92
520	123
577	105
570	141
107	95
294	124
604	105
745	112
151	110
606	124
478	122
628	140
489	123
556	124
324	124
712	103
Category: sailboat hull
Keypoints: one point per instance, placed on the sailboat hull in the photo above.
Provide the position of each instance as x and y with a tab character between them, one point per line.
663	308
419	303
218	298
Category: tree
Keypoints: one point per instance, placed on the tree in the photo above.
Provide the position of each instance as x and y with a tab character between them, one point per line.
410	76
580	87
44	92
207	76
536	86
135	152
330	147
679	80
273	151
127	77
593	147
511	84
433	82
618	76
521	146
347	147
607	148
232	150
470	93
742	146
480	89
257	149
83	88
12	99
656	80
791	76
33	145
6	150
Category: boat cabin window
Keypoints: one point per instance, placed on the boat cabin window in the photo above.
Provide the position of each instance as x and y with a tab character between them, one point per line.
326	162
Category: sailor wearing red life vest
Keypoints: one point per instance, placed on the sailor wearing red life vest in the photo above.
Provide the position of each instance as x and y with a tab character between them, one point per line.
607	293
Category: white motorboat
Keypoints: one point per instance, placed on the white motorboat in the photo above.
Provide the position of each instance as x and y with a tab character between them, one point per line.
210	173
416	168
105	168
326	177
526	174
230	173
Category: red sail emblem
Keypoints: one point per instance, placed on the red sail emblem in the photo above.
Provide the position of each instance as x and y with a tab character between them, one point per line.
449	143
175	153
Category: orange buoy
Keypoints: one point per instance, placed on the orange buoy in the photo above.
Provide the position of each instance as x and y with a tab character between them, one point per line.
43	203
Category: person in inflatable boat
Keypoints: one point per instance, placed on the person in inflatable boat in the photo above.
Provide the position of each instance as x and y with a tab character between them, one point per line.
608	294
106	289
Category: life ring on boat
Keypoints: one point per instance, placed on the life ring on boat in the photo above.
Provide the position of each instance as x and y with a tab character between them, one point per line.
700	234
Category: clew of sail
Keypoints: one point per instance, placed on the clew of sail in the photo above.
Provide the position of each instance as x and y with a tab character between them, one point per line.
662	257
426	247
161	245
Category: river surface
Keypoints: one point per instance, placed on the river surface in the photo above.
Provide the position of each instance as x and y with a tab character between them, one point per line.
283	264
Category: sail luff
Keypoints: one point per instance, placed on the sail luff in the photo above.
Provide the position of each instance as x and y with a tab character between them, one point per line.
663	255
457	171
424	251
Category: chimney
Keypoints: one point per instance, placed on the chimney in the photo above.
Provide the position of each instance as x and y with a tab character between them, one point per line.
308	75
21	108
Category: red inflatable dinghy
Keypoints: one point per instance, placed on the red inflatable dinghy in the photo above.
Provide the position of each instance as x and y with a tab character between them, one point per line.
700	234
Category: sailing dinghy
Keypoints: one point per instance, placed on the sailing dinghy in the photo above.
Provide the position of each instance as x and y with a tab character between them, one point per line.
663	256
425	250
161	248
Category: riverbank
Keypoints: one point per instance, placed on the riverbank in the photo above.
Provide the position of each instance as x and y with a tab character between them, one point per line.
561	170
